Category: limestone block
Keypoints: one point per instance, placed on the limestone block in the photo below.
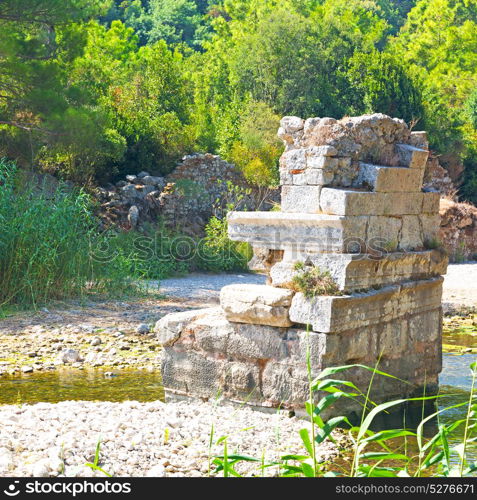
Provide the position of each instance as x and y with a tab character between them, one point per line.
305	199
353	272
318	177
189	372
425	327
430	203
430	227
411	233
419	139
383	233
256	342
242	380
389	179
352	202
323	162
210	332
301	232
411	156
317	151
329	314
392	341
292	123
278	230
293	160
256	304
284	386
168	329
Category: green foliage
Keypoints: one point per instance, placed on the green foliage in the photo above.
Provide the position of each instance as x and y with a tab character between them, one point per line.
374	453
218	253
257	149
151	256
380	84
471	108
312	281
93	100
174	21
439	43
48	244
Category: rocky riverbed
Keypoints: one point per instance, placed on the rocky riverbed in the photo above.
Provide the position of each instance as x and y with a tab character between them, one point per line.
139	439
143	439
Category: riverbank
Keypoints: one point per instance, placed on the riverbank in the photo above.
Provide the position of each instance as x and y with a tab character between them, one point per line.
143	439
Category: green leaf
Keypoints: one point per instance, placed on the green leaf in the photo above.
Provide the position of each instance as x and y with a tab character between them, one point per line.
375	411
384	456
389	434
305	437
323	432
307	470
294	457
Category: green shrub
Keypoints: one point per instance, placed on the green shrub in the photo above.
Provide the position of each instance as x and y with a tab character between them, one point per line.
312	281
217	252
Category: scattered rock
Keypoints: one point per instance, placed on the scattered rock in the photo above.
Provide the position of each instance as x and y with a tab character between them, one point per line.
142	329
96	341
69	356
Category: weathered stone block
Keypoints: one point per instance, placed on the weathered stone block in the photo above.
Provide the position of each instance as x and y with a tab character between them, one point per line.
430	203
328	314
169	328
392	341
278	230
284	386
242	381
189	372
411	156
430	227
419	139
383	233
389	179
305	199
318	177
299	232
351	202
293	160
411	235
353	272
322	162
256	304
256	342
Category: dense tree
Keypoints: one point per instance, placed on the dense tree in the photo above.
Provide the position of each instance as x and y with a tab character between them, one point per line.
175	21
439	43
154	79
379	83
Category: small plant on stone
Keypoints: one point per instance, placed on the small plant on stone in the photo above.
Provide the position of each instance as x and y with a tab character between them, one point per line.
313	281
432	244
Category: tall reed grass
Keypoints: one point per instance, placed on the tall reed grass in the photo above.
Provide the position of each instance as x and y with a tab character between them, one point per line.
48	243
399	452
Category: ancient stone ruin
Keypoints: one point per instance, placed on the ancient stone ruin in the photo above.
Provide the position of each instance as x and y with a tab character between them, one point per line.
352	209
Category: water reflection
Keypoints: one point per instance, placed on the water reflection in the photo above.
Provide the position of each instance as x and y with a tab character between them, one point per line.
81	385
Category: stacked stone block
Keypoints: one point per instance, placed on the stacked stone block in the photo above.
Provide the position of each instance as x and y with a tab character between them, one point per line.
352	205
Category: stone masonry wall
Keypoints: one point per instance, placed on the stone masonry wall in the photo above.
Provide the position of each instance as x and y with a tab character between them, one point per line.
352	207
